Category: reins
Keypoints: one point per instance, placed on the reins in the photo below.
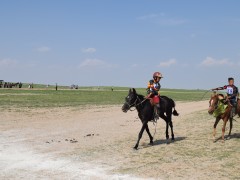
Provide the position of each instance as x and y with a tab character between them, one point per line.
205	94
135	105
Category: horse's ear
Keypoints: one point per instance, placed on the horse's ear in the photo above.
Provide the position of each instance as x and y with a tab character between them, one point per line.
134	91
130	90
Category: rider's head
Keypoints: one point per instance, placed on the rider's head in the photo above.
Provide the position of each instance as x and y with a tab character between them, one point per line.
157	76
230	81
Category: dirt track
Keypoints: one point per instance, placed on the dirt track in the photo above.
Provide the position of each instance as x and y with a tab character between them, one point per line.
96	143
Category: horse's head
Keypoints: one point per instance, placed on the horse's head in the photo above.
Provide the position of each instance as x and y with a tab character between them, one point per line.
130	100
213	102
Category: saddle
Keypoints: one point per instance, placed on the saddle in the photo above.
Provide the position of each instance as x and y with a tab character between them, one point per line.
222	106
154	100
220	109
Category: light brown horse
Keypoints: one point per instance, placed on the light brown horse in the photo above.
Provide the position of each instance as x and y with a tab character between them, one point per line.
225	116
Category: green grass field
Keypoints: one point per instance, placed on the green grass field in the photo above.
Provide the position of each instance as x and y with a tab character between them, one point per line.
37	98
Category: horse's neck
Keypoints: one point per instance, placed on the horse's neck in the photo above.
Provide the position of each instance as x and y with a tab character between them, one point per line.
141	102
140	97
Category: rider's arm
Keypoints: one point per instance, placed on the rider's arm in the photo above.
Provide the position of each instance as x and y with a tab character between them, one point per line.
220	88
150	84
149	87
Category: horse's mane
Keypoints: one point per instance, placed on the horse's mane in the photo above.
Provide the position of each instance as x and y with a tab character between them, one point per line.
141	96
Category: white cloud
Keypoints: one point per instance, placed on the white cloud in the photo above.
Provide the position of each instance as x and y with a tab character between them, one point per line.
171	21
7	63
43	49
134	65
168	63
209	61
89	50
95	63
150	16
91	63
162	19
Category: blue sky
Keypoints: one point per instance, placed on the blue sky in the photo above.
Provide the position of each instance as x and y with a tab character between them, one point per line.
195	44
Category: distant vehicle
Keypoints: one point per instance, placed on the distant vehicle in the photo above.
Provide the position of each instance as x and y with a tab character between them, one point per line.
73	86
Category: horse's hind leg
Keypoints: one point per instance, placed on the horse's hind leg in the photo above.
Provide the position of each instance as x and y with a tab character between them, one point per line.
231	124
171	125
167	126
166	120
169	118
149	134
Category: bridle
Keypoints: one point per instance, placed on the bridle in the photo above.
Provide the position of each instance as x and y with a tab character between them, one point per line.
135	104
213	105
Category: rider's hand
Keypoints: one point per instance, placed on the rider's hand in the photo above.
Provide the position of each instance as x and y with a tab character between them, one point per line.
148	96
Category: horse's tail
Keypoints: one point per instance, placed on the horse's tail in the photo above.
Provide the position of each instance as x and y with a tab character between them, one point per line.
175	113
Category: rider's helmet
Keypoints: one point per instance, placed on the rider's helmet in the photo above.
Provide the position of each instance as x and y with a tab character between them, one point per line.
156	75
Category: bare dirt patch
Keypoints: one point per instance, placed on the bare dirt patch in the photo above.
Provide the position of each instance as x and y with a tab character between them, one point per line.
96	143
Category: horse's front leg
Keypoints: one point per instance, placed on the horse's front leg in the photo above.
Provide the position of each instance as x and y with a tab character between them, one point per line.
223	129
140	134
214	127
149	134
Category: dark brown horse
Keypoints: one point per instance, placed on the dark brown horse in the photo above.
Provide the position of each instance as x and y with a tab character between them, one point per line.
213	103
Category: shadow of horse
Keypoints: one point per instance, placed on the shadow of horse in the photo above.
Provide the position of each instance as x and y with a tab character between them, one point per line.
163	141
233	136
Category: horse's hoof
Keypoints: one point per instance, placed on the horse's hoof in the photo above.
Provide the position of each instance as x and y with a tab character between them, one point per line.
151	143
135	148
229	137
223	140
173	139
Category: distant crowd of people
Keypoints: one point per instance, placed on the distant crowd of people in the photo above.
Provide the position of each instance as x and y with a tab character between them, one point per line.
10	85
